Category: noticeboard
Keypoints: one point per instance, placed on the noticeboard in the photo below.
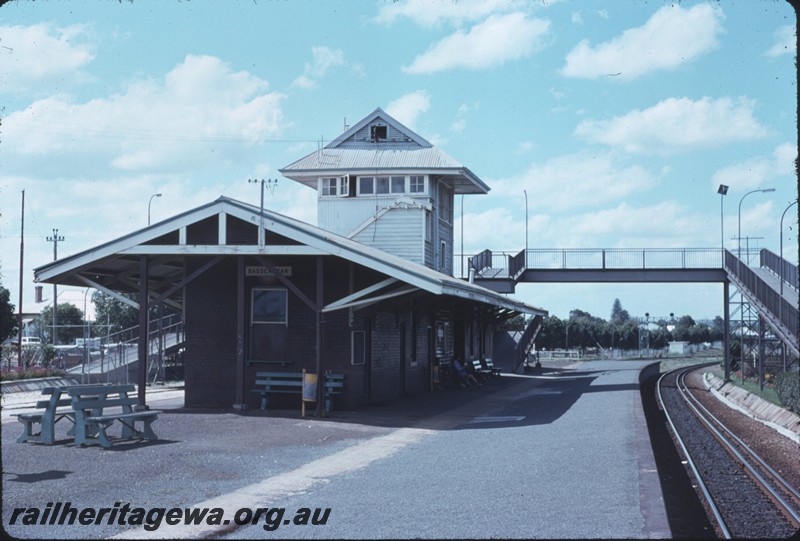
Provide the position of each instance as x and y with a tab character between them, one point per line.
309	387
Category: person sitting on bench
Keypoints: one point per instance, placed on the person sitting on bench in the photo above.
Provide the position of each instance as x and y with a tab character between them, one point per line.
463	375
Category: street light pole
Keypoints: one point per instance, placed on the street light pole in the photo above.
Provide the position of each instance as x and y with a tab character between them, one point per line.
148	206
739	236
741	297
781	251
722	191
526	227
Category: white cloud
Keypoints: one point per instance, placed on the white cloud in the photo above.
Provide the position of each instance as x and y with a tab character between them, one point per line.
496	228
785	41
428	14
493	42
660	224
407	108
460	123
185	119
677	124
593	179
39	55
324	59
671	37
757	172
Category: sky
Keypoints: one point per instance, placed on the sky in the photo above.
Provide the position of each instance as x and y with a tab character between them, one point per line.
618	119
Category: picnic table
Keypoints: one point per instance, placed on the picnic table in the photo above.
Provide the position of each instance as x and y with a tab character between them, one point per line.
89	403
87	407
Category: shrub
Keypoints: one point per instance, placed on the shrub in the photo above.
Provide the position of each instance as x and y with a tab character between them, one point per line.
30	373
787	386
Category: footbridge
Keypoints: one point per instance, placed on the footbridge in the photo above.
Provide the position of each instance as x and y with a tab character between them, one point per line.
115	359
771	288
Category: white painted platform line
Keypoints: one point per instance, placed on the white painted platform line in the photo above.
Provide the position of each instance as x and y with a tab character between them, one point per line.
297	481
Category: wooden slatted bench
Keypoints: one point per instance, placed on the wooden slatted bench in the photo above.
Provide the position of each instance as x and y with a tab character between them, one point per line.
53	409
480	370
292	383
490	366
334	385
277	382
92	422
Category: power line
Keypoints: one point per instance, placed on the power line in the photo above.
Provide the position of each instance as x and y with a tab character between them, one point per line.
88	131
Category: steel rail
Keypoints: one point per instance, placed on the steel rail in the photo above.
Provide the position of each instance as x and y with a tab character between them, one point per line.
709	500
709	419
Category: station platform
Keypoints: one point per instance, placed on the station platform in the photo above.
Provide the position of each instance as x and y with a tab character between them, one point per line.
559	452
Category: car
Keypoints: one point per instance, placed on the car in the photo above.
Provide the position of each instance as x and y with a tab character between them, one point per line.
31	341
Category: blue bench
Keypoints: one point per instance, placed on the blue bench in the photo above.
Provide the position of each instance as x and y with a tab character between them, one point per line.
292	383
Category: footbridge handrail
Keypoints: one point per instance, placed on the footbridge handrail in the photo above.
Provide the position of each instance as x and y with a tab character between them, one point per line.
510	265
780	267
762	293
624	258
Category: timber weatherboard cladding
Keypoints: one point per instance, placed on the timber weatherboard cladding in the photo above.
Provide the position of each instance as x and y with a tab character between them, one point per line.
397	232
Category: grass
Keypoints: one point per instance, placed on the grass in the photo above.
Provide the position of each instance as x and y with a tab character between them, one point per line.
751	386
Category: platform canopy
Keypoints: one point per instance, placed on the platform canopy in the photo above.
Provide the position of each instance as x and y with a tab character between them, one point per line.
227	227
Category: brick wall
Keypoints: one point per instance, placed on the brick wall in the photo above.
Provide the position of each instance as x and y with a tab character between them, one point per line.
211	314
210	359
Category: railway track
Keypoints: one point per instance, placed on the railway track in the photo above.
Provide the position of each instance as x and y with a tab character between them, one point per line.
743	495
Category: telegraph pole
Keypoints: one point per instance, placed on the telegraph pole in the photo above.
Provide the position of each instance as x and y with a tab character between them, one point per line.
21	254
271	184
55	239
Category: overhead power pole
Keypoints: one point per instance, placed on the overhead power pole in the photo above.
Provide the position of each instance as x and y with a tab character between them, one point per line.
55	239
19	308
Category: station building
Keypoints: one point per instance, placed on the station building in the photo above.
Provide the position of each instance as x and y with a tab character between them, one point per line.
369	292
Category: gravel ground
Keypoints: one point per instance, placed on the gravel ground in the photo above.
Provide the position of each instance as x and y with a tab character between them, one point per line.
777	450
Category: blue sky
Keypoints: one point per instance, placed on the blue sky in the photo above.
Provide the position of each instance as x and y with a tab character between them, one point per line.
619	119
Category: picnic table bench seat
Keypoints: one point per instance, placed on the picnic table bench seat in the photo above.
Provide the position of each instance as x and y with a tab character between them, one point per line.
39	426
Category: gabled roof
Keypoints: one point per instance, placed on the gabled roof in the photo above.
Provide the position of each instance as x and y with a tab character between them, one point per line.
111	266
378	116
402	151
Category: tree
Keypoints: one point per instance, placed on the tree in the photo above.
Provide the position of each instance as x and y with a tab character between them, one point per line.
70	322
618	315
551	335
8	323
117	314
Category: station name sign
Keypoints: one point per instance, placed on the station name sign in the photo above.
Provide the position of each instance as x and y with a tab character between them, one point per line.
264	271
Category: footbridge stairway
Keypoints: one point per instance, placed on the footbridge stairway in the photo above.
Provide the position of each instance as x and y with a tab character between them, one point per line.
116	358
771	287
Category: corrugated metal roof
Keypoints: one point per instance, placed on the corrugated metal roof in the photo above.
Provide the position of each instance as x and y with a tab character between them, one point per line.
373	156
354	152
106	257
380	158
